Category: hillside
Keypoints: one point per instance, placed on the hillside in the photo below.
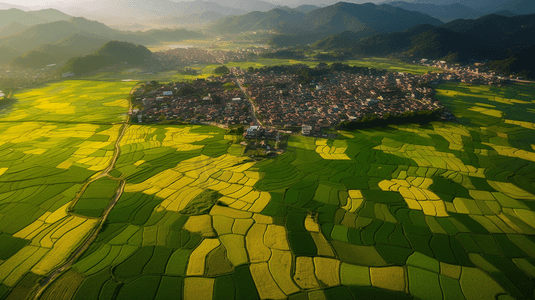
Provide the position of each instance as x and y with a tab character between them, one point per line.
247	5
124	12
322	22
31	17
354	17
12	28
111	53
520	7
506	39
445	13
283	20
59	41
71	46
492	26
305	8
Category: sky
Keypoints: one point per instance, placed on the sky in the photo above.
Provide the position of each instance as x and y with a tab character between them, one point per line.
40	3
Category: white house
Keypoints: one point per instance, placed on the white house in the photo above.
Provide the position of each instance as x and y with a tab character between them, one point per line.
306	129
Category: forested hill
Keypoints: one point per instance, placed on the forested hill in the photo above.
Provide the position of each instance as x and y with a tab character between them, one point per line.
111	53
328	20
56	42
507	40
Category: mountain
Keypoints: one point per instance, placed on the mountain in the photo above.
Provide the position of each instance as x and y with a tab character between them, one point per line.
328	20
169	35
507	40
49	33
135	11
306	8
505	13
31	17
71	46
58	41
111	53
519	7
193	20
9	6
284	20
445	13
492	26
483	6
354	17
7	54
248	6
51	15
12	28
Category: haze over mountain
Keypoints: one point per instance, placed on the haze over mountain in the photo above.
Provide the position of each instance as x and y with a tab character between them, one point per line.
445	13
483	6
12	28
9	6
31	17
326	21
492	37
252	5
58	41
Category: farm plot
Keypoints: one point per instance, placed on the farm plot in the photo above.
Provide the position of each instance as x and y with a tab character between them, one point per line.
178	230
36	189
47	155
435	211
447	204
76	101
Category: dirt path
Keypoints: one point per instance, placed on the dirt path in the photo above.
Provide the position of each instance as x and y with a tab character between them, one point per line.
85	244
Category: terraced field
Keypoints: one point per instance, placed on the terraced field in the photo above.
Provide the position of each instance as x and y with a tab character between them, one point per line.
437	211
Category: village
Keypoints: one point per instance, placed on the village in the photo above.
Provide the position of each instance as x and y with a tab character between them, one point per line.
214	101
282	98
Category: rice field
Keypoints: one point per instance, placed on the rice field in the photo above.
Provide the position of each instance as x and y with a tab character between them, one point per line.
436	211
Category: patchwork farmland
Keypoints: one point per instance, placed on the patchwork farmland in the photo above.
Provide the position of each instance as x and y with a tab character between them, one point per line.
92	207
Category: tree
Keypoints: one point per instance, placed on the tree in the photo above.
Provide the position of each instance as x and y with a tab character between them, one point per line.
222	70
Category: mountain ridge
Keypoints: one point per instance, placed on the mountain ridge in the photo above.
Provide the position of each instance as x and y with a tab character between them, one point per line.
333	19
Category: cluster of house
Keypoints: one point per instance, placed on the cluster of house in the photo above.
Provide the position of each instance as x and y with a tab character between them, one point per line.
215	100
22	77
259	132
474	73
281	100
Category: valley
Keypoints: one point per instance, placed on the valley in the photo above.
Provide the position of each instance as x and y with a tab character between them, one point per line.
324	151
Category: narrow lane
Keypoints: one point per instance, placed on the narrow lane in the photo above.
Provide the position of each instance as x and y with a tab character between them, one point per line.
256	120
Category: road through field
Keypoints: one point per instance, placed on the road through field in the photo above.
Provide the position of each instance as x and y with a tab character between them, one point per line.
47	281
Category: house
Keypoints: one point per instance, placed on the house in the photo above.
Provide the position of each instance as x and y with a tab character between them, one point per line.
252	130
168	93
306	129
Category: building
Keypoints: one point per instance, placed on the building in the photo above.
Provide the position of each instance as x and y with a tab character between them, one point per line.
252	130
306	129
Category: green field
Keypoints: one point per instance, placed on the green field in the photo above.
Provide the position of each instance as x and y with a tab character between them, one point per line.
436	211
207	70
391	65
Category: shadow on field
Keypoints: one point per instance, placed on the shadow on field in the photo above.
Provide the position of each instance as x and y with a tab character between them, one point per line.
6	105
